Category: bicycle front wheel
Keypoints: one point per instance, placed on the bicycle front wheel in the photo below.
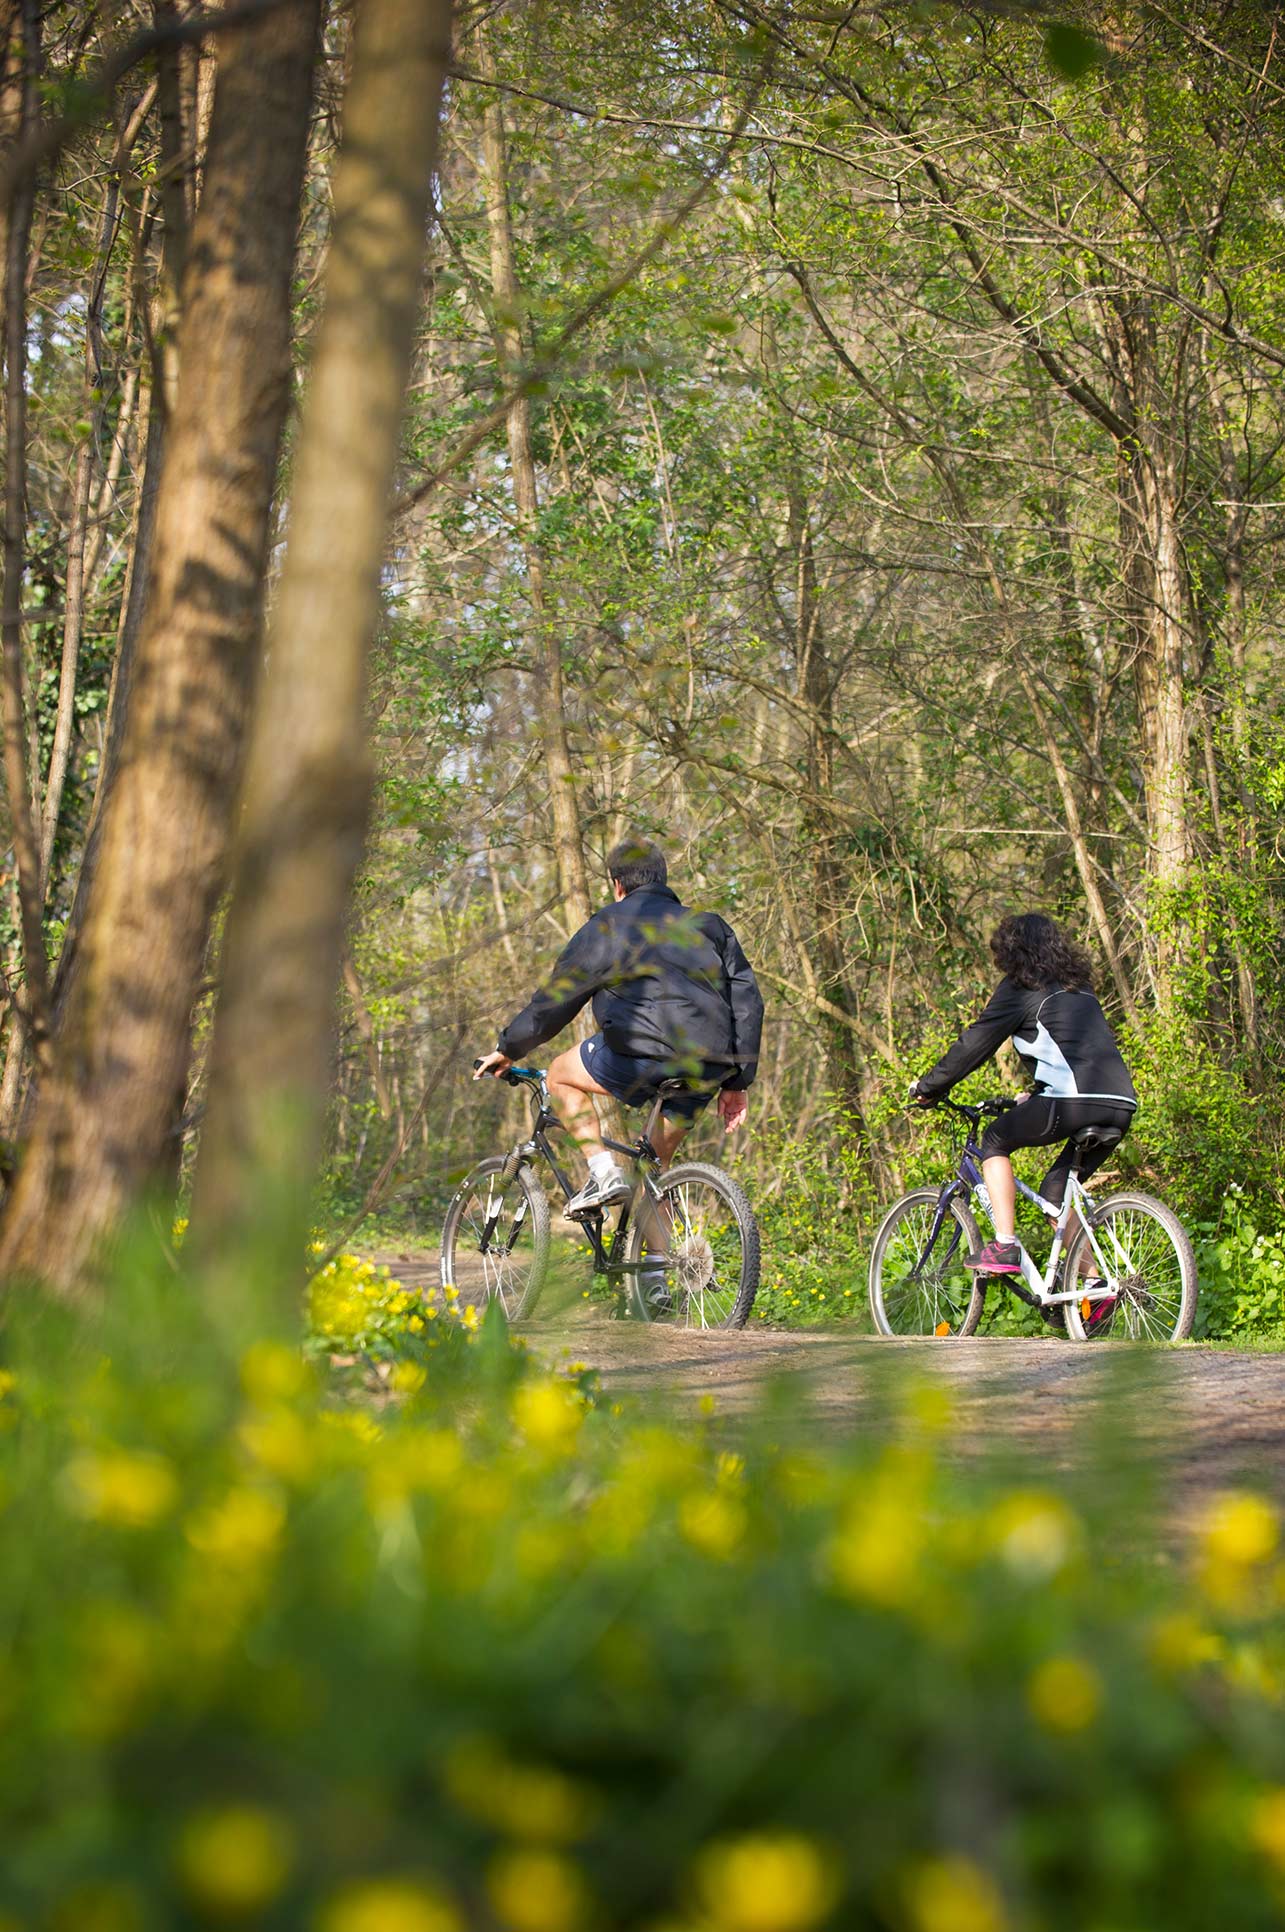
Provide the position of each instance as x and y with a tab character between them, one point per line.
1150	1269
495	1240
711	1253
918	1282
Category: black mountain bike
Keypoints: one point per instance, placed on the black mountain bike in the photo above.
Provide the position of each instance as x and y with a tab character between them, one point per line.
1121	1269
495	1239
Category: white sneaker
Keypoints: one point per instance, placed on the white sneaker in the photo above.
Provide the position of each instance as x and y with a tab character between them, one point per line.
598	1193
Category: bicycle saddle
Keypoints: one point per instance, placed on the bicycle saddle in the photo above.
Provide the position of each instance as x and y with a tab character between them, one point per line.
1097	1136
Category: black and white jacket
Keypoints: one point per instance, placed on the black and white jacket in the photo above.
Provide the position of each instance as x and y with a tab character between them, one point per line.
1062	1036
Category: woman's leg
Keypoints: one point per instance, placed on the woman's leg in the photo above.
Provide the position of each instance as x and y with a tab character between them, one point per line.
997	1172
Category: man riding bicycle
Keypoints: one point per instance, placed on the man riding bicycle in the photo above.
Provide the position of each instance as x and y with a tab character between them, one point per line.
674	997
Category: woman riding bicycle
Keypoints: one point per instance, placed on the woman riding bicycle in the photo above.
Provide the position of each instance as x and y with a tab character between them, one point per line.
1046	1005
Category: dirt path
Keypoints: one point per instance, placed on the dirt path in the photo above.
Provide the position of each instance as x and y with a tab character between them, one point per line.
1213	1417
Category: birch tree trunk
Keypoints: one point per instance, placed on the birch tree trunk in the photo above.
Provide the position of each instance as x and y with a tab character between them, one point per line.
307	780
105	1112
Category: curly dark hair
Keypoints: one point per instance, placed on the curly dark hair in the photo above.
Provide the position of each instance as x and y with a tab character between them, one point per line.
1033	950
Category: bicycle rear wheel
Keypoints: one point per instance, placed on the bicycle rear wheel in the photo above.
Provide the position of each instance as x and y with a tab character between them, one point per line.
495	1239
918	1282
1150	1266
711	1272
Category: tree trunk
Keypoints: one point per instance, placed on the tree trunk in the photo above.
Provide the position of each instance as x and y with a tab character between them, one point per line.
18	778
106	1109
568	838
308	774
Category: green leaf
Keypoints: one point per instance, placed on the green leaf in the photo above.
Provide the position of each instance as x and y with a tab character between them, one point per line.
1070	51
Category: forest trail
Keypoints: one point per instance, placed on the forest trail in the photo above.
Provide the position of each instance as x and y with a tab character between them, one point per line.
1208	1418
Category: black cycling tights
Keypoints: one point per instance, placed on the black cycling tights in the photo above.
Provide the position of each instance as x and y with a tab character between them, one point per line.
1038	1121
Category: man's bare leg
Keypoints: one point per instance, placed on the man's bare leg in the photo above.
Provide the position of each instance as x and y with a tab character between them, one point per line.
571	1089
667	1138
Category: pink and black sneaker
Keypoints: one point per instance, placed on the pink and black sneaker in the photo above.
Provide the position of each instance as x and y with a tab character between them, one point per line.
996	1258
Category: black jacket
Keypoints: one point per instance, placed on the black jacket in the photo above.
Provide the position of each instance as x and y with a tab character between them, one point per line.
1061	1034
666	984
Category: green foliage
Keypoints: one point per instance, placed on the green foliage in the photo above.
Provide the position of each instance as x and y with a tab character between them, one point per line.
480	1653
1199	1130
1241	1262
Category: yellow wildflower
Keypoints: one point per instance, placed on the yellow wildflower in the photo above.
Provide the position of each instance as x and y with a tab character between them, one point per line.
281	1443
389	1905
537	1891
1267	1826
126	1488
1238	1538
767	1883
99	1906
272	1372
953	1895
548	1414
1180	1642
1034	1532
877	1550
236	1859
713	1523
1064	1693
8	1383
242	1528
407	1378
1240	1528
526	1801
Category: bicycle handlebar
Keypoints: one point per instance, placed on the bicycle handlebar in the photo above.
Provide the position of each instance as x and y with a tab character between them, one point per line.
984	1110
518	1076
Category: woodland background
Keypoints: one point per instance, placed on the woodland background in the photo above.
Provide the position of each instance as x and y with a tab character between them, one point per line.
842	442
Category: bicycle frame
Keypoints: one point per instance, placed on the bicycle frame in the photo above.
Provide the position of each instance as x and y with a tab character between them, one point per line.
1037	1289
608	1257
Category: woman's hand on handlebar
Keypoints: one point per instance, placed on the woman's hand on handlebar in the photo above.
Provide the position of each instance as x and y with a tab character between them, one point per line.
491	1063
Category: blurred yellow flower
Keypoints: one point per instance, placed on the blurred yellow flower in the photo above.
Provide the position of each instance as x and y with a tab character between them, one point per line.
407	1378
525	1801
713	1523
235	1860
101	1905
389	1905
1180	1642
537	1891
272	1372
1267	1826
953	1895
1064	1694
876	1552
8	1383
241	1528
766	1883
1240	1528
118	1647
1238	1537
282	1443
1034	1533
930	1407
126	1488
548	1414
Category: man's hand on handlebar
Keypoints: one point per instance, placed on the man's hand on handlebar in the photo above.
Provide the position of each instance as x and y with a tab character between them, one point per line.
492	1063
916	1099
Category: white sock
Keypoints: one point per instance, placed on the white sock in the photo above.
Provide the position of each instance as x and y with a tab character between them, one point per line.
602	1166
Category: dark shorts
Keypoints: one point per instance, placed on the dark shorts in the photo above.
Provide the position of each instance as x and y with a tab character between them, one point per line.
1037	1122
634	1082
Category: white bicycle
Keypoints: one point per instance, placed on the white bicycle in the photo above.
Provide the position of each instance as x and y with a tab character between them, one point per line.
1127	1273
